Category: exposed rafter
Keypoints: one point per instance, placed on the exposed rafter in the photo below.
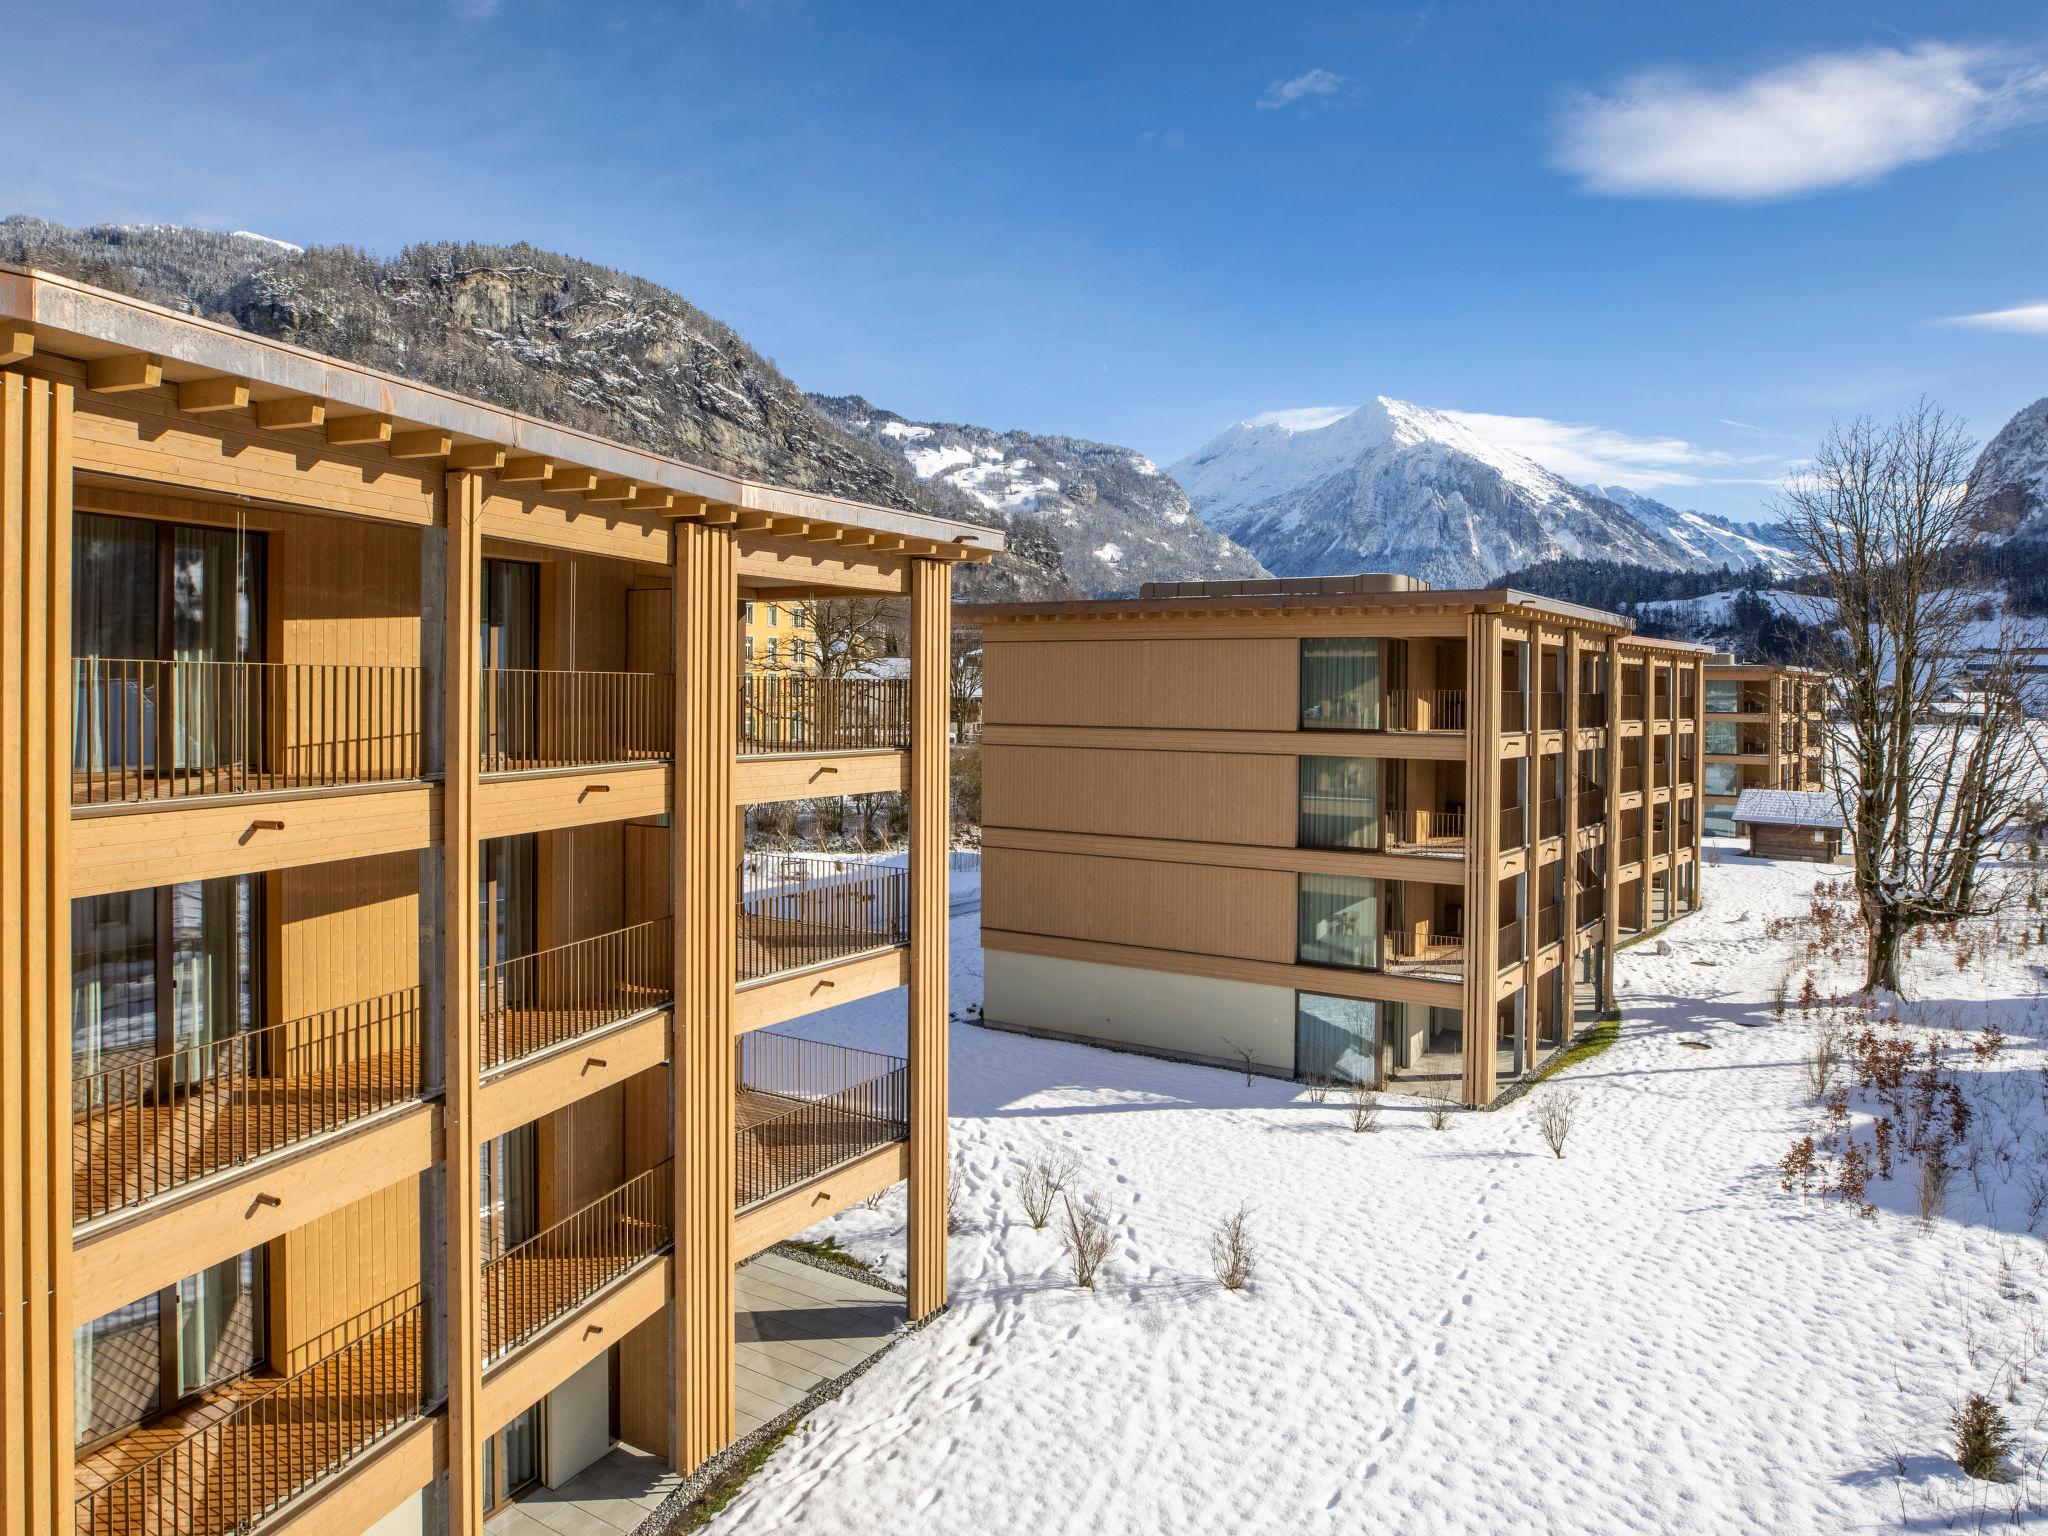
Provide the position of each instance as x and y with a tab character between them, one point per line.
356	431
17	343
476	456
426	444
527	470
612	489
201	395
299	413
129	371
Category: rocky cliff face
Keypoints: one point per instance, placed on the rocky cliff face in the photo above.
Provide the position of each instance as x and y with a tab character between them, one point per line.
534	332
1118	521
2010	480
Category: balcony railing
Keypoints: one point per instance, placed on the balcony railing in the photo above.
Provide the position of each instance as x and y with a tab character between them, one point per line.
555	1271
805	1107
1632	779
1508	944
149	1124
153	730
1631	703
1592	709
1631	850
1548	922
1514	708
540	1000
529	720
1425	709
1426	831
1552	710
1550	818
1403	951
799	910
801	712
236	1471
1512	824
1592	807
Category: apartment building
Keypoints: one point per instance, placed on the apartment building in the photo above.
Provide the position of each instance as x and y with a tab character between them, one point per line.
1345	828
1762	730
779	637
398	1048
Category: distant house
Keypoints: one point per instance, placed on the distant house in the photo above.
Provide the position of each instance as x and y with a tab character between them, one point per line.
1790	824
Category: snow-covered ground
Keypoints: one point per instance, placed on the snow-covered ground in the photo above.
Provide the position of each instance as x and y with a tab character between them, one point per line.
1454	1331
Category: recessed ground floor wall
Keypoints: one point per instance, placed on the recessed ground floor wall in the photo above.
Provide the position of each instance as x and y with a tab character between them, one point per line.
1199	1018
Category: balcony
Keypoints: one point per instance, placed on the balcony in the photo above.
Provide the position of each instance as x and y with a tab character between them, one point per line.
1514	709
1425	709
244	1451
1508	944
784	712
1405	953
1550	817
798	910
1592	709
538	1001
1512	823
1551	710
806	1107
552	1273
149	1124
530	721
1592	806
1549	922
1439	834
170	730
1631	850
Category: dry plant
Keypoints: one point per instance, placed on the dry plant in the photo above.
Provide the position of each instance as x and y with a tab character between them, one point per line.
1823	1056
1086	1239
1231	1253
1364	1102
1044	1182
1439	1100
1244	1059
1318	1086
956	1213
1554	1112
1932	1184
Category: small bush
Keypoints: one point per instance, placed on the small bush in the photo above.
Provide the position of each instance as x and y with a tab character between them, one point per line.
1044	1182
1087	1240
1824	1057
1318	1086
1933	1185
1983	1438
1364	1102
1440	1099
956	1214
1231	1253
1554	1113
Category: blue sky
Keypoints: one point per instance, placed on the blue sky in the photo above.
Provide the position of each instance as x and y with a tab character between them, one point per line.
1666	244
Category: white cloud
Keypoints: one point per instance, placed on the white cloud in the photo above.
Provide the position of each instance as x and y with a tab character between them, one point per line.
1587	454
474	10
1303	87
1165	138
1828	120
2021	320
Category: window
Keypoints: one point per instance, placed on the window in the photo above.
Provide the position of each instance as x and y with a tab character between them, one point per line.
152	1354
1336	1039
1339	921
1721	779
1340	802
1723	738
1340	684
508	1190
1724	696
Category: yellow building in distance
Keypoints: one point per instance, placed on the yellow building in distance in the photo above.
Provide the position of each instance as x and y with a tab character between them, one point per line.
780	637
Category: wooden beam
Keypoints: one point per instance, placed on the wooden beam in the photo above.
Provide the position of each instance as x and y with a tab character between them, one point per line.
476	456
573	480
649	500
424	444
129	371
299	413
931	758
527	469
754	522
976	556
17	344
611	488
788	527
201	395
716	516
855	538
356	431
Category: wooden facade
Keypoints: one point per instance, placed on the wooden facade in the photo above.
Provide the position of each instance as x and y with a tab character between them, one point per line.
1506	788
1764	729
414	788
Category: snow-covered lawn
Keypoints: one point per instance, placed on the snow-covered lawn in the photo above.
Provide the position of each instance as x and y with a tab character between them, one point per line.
1453	1331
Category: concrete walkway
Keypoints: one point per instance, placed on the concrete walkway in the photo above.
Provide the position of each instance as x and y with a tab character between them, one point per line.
610	1497
801	1326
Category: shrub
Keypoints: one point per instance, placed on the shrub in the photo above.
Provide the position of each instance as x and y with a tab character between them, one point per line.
1824	1056
1441	1099
1086	1239
1983	1438
1231	1253
1044	1182
1933	1184
1318	1086
1796	1169
1554	1112
956	1213
1364	1100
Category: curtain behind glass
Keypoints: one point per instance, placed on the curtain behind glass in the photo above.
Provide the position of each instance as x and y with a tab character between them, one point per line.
113	617
116	1370
220	1322
1340	802
510	641
508	1186
1336	1039
1340	684
1339	920
216	618
1724	696
214	946
113	986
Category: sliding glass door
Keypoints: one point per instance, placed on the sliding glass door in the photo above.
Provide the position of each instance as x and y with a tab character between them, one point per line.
1340	802
1340	684
1339	921
509	648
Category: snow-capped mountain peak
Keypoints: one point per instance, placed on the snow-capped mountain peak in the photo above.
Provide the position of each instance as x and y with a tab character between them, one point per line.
2010	480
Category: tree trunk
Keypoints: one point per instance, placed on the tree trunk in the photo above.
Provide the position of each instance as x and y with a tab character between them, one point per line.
1881	960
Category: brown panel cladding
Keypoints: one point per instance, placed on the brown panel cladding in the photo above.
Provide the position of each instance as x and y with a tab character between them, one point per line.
1208	797
1248	914
1245	685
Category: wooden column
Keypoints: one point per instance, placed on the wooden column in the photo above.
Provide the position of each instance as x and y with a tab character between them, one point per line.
462	999
1482	852
704	849
931	762
1610	898
1568	820
1699	771
35	955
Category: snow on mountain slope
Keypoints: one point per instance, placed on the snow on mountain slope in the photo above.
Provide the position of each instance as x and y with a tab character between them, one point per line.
2010	480
1708	539
1118	521
1398	487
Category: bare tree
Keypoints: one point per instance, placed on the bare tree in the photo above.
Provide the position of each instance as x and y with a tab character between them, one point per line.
1043	1182
847	632
1554	1114
1231	1253
1884	521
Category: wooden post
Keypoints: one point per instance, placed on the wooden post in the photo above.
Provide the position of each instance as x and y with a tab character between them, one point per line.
1699	771
931	761
1568	789
462	998
35	955
1482	852
1610	898
704	850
